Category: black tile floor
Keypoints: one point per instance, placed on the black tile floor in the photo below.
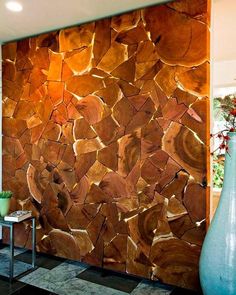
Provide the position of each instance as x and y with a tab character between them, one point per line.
110	279
62	277
42	259
18	288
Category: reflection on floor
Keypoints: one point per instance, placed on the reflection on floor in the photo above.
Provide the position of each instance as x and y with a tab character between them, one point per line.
58	276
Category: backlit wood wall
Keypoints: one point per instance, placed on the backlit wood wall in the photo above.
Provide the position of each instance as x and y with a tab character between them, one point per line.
105	140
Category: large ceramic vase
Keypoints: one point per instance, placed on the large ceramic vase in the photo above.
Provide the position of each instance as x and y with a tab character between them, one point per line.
218	257
4	206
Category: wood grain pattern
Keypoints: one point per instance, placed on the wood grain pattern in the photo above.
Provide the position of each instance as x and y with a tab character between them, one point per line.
105	139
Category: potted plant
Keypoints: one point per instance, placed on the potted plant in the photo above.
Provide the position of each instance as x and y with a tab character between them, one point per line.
5	198
218	256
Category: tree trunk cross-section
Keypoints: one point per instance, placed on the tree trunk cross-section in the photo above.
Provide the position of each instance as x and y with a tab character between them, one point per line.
105	140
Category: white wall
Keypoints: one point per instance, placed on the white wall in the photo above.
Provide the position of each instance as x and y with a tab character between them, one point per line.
224	73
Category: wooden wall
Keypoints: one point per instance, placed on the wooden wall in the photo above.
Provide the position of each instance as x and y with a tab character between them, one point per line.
105	139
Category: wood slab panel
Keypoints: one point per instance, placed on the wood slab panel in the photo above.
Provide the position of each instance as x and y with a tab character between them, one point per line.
105	140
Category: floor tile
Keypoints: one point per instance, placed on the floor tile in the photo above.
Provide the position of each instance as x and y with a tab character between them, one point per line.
2	245
110	279
29	290
34	275
19	266
80	287
152	288
6	288
42	260
17	251
55	278
180	291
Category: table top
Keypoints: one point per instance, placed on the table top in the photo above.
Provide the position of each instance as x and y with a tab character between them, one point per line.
10	223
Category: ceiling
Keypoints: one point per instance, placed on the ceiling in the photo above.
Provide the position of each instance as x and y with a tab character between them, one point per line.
44	15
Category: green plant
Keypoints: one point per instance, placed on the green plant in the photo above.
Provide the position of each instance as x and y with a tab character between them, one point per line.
224	109
5	194
218	172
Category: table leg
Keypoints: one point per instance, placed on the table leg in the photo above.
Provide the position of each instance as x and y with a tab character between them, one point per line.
33	242
11	251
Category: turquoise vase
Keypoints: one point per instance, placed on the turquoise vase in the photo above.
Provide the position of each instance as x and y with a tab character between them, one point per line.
218	256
